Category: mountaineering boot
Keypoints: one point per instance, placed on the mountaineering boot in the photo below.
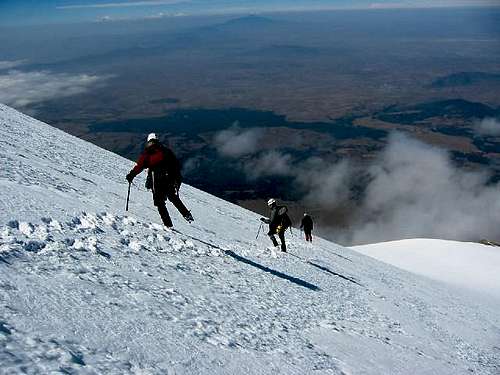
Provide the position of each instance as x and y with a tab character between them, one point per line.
189	218
168	224
275	243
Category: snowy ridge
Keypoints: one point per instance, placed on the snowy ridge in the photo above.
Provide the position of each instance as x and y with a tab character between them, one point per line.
87	288
469	265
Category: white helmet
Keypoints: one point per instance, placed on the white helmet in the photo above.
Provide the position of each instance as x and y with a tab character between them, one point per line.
271	201
152	136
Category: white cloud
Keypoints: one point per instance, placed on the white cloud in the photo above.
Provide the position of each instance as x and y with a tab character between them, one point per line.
271	163
165	15
4	65
412	190
235	142
105	19
388	5
416	191
488	126
431	4
20	89
327	185
122	4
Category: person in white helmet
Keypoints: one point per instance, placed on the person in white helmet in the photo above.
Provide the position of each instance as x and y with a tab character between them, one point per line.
278	221
164	177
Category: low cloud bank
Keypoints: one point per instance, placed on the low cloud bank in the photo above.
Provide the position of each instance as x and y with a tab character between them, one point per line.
488	126
270	163
235	142
20	89
10	64
416	191
122	4
410	190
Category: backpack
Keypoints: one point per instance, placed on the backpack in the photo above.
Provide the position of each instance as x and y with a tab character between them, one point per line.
285	219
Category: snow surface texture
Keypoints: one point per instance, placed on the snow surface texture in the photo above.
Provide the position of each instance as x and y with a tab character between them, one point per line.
87	288
466	264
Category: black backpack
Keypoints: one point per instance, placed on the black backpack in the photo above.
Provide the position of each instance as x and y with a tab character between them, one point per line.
285	219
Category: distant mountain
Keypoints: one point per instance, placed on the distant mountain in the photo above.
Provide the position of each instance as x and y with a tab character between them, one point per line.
246	24
464	79
248	21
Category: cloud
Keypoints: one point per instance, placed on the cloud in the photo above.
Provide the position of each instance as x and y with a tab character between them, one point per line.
4	65
105	19
323	183
416	191
410	190
191	165
488	126
121	4
235	142
326	185
165	15
388	5
270	163
20	89
431	4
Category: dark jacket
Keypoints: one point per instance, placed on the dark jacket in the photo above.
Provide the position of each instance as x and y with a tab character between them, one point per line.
307	223
279	217
164	168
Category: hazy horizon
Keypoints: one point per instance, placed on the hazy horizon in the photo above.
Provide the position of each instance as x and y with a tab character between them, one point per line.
20	13
314	108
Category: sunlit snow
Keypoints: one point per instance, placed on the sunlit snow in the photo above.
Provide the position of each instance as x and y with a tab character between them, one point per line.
88	288
469	265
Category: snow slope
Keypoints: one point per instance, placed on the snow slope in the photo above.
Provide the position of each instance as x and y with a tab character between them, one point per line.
466	264
87	288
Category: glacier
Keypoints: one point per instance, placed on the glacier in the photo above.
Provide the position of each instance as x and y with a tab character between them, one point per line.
87	288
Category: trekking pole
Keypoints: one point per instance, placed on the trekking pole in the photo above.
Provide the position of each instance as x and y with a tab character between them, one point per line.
258	232
128	195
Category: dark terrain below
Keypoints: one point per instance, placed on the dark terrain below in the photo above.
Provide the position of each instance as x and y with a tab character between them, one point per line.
318	88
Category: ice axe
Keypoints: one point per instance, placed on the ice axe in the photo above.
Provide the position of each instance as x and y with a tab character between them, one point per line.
258	232
128	195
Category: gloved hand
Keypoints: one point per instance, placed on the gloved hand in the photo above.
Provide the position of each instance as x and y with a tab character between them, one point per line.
129	177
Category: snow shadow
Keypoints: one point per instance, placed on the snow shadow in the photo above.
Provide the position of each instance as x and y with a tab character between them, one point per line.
326	269
340	256
239	258
282	275
4	329
103	253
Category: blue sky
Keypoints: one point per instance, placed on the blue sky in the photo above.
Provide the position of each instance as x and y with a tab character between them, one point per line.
20	12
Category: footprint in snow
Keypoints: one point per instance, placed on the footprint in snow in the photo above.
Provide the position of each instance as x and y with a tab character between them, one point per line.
269	252
129	220
52	224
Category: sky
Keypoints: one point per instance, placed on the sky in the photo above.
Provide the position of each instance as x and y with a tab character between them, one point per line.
26	12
